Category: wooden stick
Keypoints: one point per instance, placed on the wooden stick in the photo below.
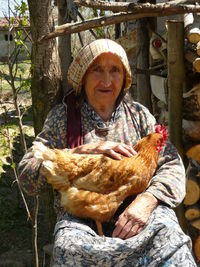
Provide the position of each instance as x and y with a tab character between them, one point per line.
176	80
125	7
117	18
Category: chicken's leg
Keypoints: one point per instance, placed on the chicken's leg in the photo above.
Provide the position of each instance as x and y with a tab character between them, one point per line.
99	228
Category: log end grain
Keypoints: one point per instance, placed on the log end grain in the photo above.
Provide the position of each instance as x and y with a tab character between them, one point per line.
194	35
192	192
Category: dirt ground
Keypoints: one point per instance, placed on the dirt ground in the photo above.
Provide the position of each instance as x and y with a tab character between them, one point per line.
16	246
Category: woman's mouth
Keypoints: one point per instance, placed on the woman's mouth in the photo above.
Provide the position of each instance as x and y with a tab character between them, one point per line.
105	91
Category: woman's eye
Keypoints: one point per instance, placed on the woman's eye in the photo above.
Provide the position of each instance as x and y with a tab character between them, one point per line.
97	69
115	69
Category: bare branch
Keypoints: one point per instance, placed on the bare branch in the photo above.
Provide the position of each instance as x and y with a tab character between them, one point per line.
91	31
35	230
125	7
150	11
112	6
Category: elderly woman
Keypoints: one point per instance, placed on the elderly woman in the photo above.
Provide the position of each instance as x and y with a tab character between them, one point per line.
144	230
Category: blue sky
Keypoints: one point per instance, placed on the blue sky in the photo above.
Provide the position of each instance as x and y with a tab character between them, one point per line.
4	5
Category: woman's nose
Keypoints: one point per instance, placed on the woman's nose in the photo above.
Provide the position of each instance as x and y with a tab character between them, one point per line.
107	79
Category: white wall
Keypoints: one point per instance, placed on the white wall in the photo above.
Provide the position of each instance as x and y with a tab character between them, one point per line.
4	47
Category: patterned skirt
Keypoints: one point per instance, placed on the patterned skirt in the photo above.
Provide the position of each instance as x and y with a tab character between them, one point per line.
161	243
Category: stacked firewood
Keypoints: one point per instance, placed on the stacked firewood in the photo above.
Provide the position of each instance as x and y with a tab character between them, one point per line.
192	30
191	128
192	202
191	118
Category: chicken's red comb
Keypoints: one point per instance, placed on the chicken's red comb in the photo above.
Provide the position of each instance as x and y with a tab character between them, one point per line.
162	130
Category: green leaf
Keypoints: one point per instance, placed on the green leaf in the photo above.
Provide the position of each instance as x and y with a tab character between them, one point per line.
13	165
24	7
18	42
23	22
20	34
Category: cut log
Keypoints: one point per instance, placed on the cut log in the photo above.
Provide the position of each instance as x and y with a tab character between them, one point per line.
192	30
193	58
188	19
191	130
192	212
191	104
198	48
192	191
196	224
197	248
194	153
196	64
193	35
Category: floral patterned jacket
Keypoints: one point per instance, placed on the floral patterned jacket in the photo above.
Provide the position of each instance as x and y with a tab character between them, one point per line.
129	123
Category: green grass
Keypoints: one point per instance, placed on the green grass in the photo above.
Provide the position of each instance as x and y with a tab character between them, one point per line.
8	120
22	78
12	128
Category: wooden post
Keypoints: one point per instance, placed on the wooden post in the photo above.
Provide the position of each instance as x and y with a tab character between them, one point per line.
176	80
142	51
64	45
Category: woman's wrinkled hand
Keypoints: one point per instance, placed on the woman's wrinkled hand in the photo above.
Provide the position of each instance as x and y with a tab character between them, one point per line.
135	216
112	149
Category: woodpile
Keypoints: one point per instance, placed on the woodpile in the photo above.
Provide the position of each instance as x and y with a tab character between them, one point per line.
192	33
192	199
191	129
190	123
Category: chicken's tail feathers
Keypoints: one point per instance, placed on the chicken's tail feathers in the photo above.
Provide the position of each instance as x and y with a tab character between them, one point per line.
42	152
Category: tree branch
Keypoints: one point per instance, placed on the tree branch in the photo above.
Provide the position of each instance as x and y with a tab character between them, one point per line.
125	7
150	10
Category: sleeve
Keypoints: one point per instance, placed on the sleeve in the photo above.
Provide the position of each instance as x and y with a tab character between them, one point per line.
29	176
169	181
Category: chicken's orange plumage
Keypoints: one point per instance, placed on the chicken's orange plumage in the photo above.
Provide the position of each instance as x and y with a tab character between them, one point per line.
94	186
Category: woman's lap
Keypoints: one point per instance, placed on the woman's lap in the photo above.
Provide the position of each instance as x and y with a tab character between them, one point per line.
161	243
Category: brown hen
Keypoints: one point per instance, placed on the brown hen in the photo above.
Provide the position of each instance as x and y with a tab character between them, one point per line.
93	186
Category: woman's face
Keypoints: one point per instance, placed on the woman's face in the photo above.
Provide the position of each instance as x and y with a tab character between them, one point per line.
103	80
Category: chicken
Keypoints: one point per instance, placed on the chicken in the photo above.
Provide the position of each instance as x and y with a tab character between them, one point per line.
93	186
